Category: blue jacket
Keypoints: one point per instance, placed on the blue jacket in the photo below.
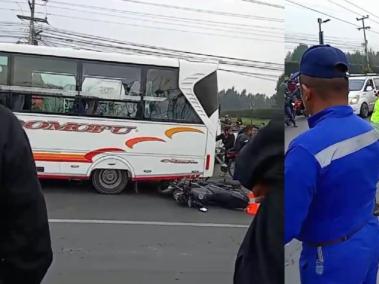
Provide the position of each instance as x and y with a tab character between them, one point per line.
331	172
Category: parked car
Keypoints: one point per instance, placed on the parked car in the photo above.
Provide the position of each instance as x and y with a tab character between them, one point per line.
362	90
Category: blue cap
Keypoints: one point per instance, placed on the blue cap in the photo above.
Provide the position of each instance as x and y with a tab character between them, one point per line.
324	61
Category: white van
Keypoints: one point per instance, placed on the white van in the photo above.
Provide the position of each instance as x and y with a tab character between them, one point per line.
362	90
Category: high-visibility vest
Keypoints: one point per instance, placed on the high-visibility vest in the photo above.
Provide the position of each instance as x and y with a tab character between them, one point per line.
375	114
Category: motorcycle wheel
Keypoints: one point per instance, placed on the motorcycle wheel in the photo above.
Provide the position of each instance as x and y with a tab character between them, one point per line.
231	168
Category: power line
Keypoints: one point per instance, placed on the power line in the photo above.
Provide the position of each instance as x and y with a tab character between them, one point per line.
265	4
348	9
325	14
32	20
320	12
9	9
306	35
120	11
263	76
161	28
329	40
139	51
360	8
308	43
191	25
343	7
220	13
251	74
218	57
102	45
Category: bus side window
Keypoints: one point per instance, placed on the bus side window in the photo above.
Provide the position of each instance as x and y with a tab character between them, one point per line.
164	100
44	72
3	70
116	87
4	97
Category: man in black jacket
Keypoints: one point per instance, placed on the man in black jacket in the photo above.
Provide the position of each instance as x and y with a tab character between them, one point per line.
227	139
25	247
260	168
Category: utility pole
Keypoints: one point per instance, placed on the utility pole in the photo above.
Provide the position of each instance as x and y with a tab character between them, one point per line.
364	28
320	32
32	7
32	31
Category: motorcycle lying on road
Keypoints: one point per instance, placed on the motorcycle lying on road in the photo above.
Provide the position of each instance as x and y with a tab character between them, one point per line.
200	194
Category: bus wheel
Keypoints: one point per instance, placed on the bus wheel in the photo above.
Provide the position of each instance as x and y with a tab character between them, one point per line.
109	181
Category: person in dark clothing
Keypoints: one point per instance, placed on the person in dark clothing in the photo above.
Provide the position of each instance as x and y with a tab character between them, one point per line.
243	138
260	259
25	246
228	140
288	109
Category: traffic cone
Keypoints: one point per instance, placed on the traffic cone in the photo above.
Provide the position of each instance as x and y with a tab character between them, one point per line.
253	206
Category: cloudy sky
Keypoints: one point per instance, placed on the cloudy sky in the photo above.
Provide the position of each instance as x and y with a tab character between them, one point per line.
341	30
248	29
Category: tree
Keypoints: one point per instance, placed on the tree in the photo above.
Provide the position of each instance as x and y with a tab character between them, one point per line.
232	100
297	53
356	60
280	91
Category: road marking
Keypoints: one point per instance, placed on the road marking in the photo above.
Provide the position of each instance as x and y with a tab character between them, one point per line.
152	223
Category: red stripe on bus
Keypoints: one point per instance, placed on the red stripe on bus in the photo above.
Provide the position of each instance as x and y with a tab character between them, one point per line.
158	178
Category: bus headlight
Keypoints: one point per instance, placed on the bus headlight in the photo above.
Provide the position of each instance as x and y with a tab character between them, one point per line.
354	100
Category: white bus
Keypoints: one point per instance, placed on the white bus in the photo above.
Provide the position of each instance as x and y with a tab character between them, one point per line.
112	118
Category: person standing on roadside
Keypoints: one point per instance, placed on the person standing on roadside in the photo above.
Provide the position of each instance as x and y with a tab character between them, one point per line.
25	246
331	172
227	139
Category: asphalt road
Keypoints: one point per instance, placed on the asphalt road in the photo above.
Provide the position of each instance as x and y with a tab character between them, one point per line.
292	250
291	132
138	238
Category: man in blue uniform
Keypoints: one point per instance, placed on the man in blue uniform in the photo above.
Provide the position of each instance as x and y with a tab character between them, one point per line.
331	172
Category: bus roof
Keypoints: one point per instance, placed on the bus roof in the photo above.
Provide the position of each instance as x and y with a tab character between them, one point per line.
87	54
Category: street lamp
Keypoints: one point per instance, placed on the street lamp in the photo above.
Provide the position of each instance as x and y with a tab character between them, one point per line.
321	33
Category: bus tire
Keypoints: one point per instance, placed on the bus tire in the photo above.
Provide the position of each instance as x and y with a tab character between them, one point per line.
109	181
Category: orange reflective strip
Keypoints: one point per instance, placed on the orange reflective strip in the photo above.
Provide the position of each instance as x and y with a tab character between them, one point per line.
59	157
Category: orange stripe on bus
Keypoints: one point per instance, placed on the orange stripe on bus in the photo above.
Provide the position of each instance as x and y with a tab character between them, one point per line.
71	157
59	157
170	132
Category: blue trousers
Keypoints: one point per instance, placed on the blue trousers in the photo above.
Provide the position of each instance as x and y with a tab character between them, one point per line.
354	261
